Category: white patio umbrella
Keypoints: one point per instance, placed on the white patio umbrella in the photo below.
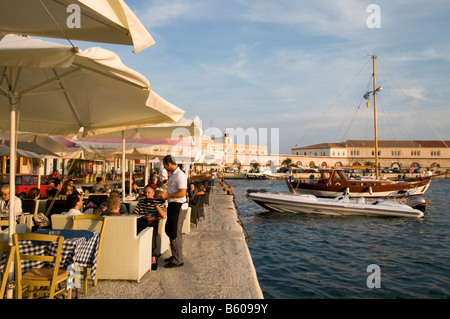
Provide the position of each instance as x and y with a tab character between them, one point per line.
137	149
6	151
51	88
105	21
186	127
37	143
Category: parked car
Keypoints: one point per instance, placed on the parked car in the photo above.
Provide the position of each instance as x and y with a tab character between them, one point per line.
25	182
283	170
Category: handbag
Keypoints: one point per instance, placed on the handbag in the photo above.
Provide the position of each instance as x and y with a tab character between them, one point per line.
41	220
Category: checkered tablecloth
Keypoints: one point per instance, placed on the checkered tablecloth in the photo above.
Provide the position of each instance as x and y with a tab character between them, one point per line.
80	247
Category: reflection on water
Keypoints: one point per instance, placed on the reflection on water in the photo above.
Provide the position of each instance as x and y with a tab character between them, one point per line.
318	256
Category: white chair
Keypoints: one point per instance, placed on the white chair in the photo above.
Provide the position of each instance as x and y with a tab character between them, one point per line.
124	255
187	223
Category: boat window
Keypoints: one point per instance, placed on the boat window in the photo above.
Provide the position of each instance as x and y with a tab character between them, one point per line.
338	176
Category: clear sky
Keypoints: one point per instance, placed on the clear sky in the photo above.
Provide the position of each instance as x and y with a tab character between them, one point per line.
300	67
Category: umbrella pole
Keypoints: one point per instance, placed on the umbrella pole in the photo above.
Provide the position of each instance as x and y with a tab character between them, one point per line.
12	168
123	167
147	168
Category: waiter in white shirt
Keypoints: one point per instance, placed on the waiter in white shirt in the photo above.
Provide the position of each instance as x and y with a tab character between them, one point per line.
176	210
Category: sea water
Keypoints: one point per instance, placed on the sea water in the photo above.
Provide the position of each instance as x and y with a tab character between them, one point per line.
317	256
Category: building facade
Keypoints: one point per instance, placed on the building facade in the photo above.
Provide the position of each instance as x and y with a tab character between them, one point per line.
415	154
227	153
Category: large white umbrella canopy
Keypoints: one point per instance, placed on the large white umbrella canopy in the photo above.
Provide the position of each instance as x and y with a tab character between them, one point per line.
36	143
54	89
59	91
148	149
105	21
137	148
186	127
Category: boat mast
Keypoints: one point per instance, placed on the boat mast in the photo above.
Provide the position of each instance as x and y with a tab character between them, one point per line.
377	173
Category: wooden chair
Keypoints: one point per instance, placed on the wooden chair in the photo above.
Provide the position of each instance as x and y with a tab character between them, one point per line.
78	225
37	278
9	250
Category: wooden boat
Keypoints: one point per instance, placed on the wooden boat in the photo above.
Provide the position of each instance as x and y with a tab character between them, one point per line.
333	182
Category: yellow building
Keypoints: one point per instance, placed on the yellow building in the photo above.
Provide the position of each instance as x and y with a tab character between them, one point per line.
403	154
227	153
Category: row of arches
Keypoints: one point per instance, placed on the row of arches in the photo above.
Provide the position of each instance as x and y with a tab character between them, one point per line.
394	165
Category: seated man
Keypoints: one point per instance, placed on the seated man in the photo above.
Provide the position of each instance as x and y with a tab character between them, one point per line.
191	191
56	188
75	203
150	209
99	187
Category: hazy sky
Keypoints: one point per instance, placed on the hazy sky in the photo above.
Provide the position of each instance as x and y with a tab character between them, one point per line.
300	67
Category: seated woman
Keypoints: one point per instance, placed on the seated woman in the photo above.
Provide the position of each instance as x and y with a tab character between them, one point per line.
113	204
200	190
103	209
34	193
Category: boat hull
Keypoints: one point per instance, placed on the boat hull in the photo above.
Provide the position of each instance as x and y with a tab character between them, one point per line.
313	205
360	188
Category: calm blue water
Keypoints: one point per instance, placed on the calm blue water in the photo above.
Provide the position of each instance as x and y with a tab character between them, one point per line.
315	256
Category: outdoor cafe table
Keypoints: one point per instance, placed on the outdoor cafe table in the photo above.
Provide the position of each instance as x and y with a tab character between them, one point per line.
80	247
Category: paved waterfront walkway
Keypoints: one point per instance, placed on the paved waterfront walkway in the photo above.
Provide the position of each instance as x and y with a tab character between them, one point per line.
217	263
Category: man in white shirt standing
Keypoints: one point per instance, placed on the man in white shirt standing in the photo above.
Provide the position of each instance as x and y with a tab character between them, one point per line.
176	210
75	203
